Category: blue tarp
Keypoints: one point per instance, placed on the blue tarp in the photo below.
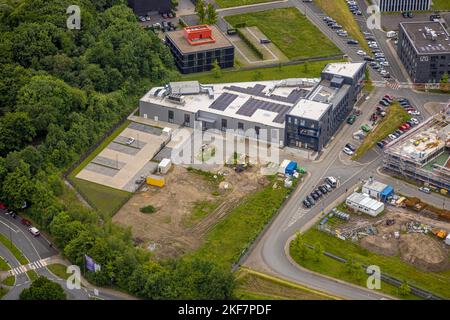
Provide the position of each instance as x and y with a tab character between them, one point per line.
291	167
388	191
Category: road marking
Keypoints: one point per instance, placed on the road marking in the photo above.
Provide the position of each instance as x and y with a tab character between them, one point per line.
6	225
38	264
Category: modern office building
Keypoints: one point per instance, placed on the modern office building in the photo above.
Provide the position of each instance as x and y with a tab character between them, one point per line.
143	7
295	112
403	5
423	153
317	118
424	49
196	48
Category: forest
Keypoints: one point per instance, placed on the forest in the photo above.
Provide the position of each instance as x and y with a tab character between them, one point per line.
61	90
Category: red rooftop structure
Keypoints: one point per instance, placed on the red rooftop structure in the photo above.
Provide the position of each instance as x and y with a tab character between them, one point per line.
197	35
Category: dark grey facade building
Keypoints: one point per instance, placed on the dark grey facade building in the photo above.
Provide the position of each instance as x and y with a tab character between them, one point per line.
403	5
142	7
331	102
424	49
190	58
303	113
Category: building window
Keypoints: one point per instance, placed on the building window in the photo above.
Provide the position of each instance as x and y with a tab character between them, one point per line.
171	116
187	120
257	130
224	124
240	126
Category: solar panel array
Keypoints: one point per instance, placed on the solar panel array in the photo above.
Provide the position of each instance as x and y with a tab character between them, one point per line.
223	101
251	105
257	90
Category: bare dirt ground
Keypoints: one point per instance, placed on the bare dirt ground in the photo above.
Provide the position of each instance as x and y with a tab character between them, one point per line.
425	251
166	232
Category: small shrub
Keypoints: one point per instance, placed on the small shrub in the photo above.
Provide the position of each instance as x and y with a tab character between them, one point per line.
148	209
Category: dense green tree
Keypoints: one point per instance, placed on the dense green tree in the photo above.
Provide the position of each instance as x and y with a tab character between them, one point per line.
49	100
299	245
201	11
318	252
17	187
64	229
211	14
33	41
43	289
16	131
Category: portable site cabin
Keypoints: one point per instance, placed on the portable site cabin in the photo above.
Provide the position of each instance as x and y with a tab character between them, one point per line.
164	166
283	166
291	167
157	181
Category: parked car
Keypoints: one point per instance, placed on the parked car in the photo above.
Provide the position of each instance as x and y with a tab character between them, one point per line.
331	181
425	190
380	144
365	128
323	189
351	119
361	53
351	41
414	113
351	147
306	204
310	200
328	187
318	192
347	151
25	222
34	231
2	206
314	195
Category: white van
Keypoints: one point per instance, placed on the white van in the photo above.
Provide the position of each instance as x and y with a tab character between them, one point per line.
35	232
331	181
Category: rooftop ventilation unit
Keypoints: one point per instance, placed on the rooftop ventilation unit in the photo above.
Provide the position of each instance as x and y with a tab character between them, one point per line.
176	98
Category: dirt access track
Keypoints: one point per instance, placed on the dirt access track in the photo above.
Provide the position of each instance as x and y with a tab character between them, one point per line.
174	229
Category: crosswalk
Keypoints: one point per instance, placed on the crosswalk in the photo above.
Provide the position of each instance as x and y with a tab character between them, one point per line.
31	266
393	84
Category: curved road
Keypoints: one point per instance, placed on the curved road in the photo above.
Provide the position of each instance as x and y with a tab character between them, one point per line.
36	249
268	254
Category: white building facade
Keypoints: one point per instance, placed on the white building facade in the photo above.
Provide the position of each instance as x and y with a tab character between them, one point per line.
363	203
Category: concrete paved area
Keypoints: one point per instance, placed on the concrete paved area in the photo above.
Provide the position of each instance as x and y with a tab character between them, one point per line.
120	164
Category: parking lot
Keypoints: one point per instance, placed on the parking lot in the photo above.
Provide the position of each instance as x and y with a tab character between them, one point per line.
126	158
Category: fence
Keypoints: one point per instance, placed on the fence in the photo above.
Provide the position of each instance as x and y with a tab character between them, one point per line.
389	279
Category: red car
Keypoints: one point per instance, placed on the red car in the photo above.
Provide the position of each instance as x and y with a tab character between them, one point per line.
407	125
403	128
3	206
389	97
26	222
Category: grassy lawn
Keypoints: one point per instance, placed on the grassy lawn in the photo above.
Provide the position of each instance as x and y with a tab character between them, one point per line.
105	199
437	282
368	85
303	70
32	275
9	281
253	285
338	10
200	210
290	31
230	237
395	116
441	5
59	270
3	265
11	247
237	3
3	291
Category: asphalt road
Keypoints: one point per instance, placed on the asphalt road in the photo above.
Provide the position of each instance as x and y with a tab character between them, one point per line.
35	249
268	253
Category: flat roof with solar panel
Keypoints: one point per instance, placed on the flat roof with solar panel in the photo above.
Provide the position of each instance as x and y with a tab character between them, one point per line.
428	37
263	102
